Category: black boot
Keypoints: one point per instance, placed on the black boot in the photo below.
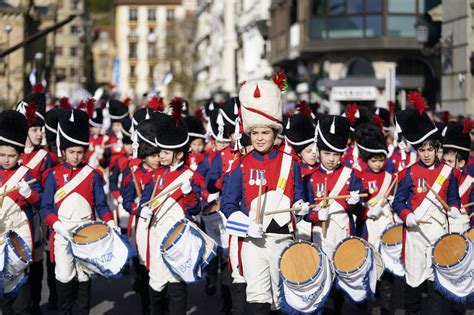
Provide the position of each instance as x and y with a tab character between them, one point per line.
65	296
239	299
178	296
141	287
35	278
83	301
157	302
259	308
211	277
226	299
53	295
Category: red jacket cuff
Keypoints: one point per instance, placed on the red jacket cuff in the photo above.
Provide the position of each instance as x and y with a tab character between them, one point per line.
107	217
313	217
404	214
190	199
34	197
116	194
51	219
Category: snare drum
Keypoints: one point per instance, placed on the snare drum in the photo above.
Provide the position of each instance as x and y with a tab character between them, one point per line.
100	249
356	268
391	249
306	275
15	258
453	264
187	251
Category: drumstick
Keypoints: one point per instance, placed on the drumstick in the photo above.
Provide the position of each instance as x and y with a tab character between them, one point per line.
157	209
259	198
423	222
135	182
31	181
1	195
164	192
440	200
468	205
156	186
325	204
315	205
387	193
82	236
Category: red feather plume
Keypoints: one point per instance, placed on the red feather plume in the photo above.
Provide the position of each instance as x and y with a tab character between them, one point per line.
127	101
90	106
199	114
391	108
176	105
351	111
64	103
468	125
156	104
303	108
30	113
417	101
279	79
444	116
378	121
38	88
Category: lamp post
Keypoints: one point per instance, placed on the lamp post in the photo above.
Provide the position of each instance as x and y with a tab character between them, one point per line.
8	28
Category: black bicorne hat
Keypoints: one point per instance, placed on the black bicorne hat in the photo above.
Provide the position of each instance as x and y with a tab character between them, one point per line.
39	101
230	112
384	114
73	129
299	131
457	138
13	129
97	118
333	133
196	128
51	124
145	135
217	127
172	134
415	127
370	140
117	110
126	130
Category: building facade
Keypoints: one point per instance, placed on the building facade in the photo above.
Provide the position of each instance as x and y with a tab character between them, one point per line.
104	53
147	37
362	51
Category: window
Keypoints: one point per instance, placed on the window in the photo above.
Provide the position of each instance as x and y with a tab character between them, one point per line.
132	72
150	71
294	12
74	4
132	53
151	51
401	26
58	51
73	51
75	29
170	15
73	72
133	32
133	15
360	67
151	15
402	6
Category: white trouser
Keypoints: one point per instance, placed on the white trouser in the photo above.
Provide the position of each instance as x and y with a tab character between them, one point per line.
67	267
260	266
234	259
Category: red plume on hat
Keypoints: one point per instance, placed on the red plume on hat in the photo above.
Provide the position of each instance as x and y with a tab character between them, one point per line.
378	121
351	112
467	125
444	116
176	105
90	105
127	101
303	108
199	114
417	101
30	113
156	104
38	88
279	79
64	103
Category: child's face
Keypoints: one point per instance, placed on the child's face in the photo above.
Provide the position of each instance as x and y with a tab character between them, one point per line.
197	145
8	156
451	159
170	158
35	136
376	163
262	138
309	154
116	128
152	161
74	155
329	159
427	154
221	145
95	131
128	148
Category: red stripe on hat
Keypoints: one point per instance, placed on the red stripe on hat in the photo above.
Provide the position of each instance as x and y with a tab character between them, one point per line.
256	111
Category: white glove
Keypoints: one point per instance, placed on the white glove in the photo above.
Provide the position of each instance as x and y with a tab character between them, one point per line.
146	212
304	207
25	189
99	152
454	213
397	219
112	225
354	198
255	230
59	228
120	199
212	197
411	221
186	187
374	212
323	214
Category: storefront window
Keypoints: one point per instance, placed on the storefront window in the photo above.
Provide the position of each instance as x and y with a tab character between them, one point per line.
355	7
336	7
373	26
402	6
345	27
401	26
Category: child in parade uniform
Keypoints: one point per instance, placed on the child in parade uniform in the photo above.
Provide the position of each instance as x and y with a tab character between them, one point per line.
425	219
197	141
172	140
17	206
73	194
279	177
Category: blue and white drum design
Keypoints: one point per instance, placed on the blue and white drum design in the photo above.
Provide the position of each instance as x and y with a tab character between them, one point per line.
391	243
306	276
453	266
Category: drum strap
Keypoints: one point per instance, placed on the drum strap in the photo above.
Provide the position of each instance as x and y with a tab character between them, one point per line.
183	176
284	172
467	183
341	181
436	186
71	185
35	161
385	184
16	177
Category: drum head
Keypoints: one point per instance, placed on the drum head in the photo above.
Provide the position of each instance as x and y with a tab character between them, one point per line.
90	233
470	234
299	262
174	235
449	250
393	235
18	246
350	255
